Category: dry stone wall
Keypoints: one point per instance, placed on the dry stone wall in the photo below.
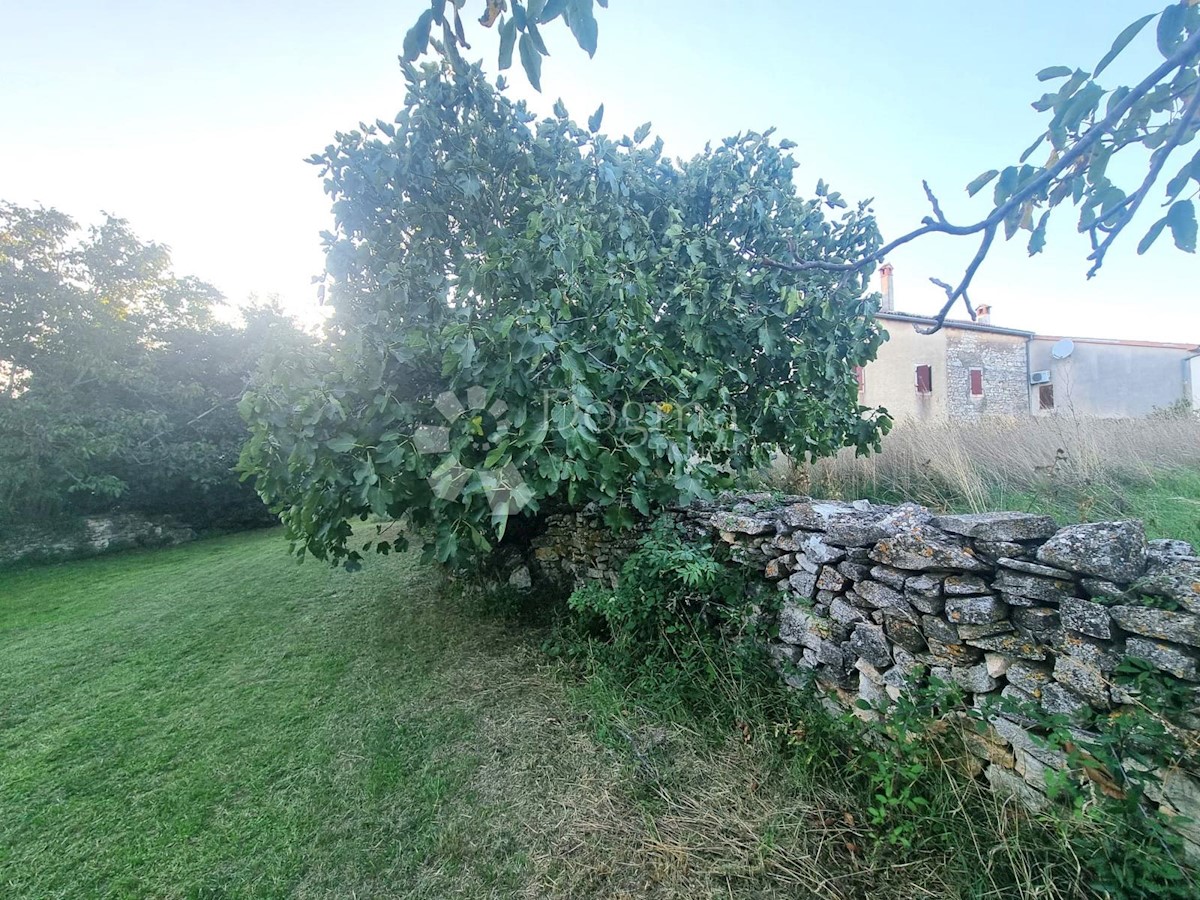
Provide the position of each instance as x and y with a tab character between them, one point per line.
1004	605
90	536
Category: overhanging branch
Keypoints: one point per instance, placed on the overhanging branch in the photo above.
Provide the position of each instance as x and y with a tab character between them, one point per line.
938	223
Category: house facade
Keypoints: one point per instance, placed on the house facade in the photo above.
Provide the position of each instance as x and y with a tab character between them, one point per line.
1096	377
971	370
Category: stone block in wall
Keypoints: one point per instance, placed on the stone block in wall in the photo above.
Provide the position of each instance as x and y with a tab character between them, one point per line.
949	655
1060	700
893	578
844	524
940	630
1166	548
869	642
1017	645
1100	654
804	584
1176	578
1029	677
1086	617
923	585
883	597
869	672
988	746
964	585
1083	679
998	526
843	612
988	629
974	679
1032	568
805	562
997	664
778	567
788	543
1041	623
996	550
830	579
1034	590
1007	783
1114	551
1016	701
1181	628
903	633
874	695
922	549
1174	659
820	552
975	610
798	625
853	570
741	524
1102	591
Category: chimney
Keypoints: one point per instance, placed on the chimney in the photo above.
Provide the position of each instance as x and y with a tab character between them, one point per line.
983	314
885	287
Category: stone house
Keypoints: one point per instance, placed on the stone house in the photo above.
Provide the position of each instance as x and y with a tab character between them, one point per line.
971	370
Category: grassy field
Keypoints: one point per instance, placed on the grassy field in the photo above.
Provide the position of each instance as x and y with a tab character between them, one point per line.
1075	469
215	720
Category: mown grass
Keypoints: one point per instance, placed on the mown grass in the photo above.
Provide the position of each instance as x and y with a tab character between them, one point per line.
217	721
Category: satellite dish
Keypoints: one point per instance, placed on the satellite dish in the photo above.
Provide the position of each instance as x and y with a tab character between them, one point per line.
1062	349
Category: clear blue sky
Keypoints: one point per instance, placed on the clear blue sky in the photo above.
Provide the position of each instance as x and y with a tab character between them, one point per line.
192	119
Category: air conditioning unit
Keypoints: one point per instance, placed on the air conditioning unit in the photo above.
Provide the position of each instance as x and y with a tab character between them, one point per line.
1042	377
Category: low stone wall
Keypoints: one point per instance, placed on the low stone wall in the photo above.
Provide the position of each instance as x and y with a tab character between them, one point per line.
90	536
1004	605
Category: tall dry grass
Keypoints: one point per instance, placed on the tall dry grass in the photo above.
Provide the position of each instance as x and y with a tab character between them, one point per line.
1078	467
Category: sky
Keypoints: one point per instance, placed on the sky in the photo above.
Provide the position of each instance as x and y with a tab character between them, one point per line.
193	120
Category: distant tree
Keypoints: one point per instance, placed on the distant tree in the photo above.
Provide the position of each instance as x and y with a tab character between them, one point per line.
1089	126
530	313
120	389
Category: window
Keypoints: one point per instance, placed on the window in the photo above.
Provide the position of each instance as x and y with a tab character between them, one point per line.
1046	396
976	382
924	379
860	375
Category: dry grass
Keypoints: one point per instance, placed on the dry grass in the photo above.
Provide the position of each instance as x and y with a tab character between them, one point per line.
1076	468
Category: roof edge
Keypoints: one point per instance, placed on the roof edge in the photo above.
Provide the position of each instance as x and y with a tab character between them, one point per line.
953	323
1120	342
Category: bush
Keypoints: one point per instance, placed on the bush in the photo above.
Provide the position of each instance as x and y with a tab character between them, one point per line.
118	388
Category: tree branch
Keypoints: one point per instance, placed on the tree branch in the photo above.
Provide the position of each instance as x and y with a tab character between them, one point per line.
938	224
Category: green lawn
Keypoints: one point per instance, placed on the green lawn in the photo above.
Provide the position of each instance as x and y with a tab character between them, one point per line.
215	720
218	721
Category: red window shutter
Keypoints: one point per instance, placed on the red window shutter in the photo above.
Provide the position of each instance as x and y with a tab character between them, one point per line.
860	375
924	379
977	382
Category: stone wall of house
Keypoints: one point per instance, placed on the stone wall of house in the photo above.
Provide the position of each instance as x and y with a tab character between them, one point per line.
1002	359
90	536
1004	605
